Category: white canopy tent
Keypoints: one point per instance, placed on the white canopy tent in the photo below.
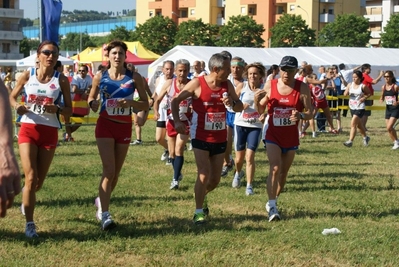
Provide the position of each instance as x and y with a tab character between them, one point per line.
378	58
31	61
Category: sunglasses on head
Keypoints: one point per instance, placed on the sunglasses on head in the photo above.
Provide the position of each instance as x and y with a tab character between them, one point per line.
286	69
49	52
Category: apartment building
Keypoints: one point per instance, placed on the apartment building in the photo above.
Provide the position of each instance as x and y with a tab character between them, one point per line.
379	12
10	31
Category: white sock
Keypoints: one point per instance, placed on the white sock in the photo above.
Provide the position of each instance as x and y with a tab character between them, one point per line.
199	211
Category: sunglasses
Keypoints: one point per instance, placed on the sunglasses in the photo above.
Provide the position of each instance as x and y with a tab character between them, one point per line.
81	70
285	69
387	76
49	52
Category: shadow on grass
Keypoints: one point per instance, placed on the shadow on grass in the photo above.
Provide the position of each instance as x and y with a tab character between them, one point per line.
341	214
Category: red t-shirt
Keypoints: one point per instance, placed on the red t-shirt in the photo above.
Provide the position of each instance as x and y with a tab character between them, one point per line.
368	81
209	114
279	128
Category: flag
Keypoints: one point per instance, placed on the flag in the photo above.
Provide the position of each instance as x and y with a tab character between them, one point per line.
51	16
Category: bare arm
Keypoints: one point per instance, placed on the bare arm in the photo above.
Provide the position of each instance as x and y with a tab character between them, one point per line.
10	178
95	89
160	97
262	98
233	99
376	80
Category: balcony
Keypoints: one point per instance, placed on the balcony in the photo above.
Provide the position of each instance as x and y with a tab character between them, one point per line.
220	21
327	1
374	18
325	18
187	3
11	35
11	13
375	34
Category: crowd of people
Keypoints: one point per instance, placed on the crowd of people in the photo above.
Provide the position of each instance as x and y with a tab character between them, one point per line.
234	104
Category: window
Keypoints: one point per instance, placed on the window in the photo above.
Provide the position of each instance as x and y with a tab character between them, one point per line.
243	10
184	13
6	47
292	7
280	10
151	13
192	12
252	10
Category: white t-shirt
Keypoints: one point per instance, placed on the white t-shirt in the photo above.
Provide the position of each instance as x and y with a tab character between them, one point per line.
347	75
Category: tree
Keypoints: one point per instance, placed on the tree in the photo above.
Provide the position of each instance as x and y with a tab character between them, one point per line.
195	32
26	45
157	34
292	31
241	31
348	30
72	41
390	36
120	33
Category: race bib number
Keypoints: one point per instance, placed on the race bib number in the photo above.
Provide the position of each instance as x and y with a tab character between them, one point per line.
281	117
354	103
389	100
36	103
183	107
215	121
251	117
113	109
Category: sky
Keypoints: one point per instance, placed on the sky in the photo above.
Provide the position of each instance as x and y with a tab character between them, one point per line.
30	7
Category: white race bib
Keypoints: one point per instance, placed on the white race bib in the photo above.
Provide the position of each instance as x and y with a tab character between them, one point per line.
36	103
281	117
354	103
113	109
183	107
389	100
215	121
251	117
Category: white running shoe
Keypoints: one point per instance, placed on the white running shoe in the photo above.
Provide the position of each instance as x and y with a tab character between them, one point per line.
174	185
99	211
395	146
249	191
22	209
267	206
165	155
273	214
169	162
136	142
237	179
30	230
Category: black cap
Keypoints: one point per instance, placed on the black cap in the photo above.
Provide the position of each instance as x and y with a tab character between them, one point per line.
289	61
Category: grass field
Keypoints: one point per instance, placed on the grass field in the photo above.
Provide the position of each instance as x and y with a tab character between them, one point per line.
353	189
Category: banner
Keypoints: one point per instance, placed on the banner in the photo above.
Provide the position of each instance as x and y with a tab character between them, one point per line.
51	16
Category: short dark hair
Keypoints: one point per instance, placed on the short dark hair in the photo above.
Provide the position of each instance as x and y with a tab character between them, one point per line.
341	66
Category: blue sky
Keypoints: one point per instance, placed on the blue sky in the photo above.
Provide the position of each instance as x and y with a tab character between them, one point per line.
30	7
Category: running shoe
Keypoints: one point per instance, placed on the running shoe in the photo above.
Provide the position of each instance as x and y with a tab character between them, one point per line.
107	223
174	185
395	146
99	211
199	218
190	146
366	141
30	230
267	206
273	214
348	144
237	179
249	191
227	168
314	135
165	155
136	142
169	162
22	209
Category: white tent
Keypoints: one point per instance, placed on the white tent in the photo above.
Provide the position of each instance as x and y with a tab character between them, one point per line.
378	58
31	60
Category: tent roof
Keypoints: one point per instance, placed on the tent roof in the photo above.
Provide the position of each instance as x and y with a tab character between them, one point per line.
31	61
378	58
132	58
142	52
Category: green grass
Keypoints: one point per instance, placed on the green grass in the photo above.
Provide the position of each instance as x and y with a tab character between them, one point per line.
354	189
